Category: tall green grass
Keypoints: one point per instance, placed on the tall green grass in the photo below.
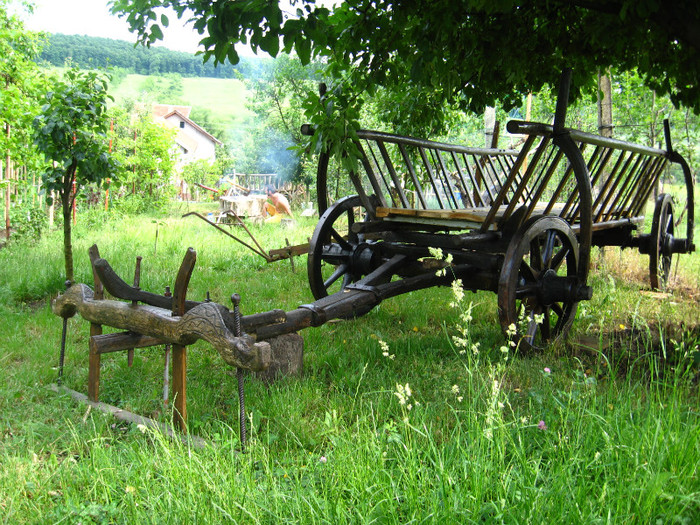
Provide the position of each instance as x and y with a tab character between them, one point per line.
606	433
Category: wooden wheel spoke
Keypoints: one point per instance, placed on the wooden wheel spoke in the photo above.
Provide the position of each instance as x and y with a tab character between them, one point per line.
340	240
668	223
339	271
546	327
528	273
548	249
536	255
347	280
557	309
561	320
532	327
559	257
351	218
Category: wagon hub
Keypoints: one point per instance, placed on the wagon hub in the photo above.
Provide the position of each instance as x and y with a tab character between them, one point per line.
555	288
365	258
671	245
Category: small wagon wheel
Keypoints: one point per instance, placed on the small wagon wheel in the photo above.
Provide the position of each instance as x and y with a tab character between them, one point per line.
539	289
337	255
661	233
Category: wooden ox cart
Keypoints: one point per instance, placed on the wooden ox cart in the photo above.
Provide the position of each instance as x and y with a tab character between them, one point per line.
518	223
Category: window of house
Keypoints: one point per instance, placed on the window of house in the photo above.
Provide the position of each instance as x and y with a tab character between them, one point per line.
182	124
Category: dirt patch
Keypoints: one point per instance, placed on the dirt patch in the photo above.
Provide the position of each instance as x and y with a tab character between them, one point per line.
35	306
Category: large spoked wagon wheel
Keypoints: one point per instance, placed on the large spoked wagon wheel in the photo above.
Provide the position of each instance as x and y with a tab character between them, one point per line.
539	287
337	255
660	254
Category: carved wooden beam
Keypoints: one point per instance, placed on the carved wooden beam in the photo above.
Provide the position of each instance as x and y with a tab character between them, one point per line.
116	286
209	321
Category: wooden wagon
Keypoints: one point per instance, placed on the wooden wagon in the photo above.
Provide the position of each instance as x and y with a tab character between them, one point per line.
517	223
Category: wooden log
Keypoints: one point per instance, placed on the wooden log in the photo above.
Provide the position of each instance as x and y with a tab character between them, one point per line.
287	358
208	321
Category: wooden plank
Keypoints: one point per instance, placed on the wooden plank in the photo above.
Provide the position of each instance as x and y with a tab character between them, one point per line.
130	417
179	355
285	253
467	218
470	214
501	197
107	343
392	173
412	173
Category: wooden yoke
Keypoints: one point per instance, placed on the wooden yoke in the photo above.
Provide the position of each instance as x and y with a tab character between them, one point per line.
179	362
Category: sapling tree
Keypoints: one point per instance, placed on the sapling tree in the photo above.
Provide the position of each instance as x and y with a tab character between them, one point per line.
71	133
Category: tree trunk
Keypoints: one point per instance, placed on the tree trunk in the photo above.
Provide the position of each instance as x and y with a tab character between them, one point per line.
652	136
605	122
66	202
605	125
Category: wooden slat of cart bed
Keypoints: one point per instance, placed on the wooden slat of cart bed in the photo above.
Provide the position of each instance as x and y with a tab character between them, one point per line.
462	218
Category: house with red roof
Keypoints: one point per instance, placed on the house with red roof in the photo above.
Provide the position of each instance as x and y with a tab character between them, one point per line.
193	142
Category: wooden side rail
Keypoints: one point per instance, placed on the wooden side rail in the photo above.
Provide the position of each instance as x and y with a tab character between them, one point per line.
622	175
411	173
479	188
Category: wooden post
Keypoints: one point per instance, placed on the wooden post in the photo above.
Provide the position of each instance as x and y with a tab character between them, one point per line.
291	255
179	385
94	363
179	352
94	360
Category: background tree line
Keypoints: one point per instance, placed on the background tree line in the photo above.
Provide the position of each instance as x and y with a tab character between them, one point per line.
97	52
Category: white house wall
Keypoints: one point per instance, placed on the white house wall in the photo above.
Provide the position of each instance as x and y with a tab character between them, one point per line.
189	136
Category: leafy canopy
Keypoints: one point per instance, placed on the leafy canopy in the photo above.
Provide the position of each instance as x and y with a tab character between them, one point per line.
468	53
70	131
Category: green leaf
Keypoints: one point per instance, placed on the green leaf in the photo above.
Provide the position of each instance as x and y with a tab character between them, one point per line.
156	33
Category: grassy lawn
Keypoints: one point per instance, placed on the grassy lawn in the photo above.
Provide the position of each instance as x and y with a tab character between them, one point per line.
225	98
603	429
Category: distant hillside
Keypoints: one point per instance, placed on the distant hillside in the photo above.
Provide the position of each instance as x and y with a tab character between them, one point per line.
224	98
91	52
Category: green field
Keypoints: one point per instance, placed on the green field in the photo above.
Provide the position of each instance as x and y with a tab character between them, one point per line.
225	98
